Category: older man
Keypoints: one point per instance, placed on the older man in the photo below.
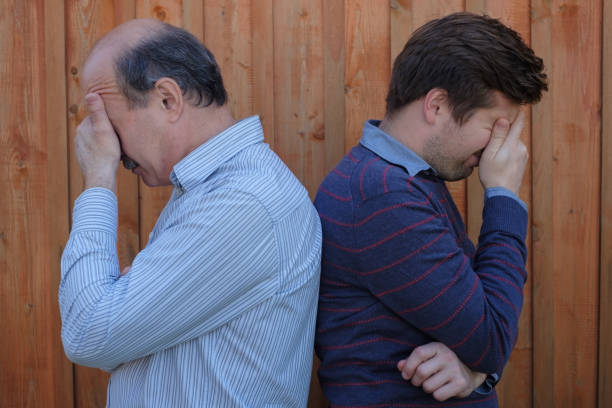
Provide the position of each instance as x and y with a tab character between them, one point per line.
219	308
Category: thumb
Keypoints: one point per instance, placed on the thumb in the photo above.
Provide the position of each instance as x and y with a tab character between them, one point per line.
498	136
97	111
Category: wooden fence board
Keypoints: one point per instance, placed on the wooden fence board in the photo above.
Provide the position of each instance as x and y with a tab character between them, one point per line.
262	16
227	33
566	261
605	299
32	368
298	89
576	132
57	201
541	218
367	64
334	57
193	17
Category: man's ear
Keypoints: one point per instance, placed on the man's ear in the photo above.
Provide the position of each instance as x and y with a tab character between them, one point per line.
170	97
436	105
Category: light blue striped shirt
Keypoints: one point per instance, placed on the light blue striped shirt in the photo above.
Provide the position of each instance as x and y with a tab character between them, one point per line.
218	310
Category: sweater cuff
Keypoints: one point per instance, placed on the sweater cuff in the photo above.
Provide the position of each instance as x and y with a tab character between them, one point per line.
487	386
503	213
95	210
503	191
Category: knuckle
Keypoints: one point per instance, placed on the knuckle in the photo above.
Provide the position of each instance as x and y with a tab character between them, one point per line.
419	352
439	396
447	355
428	388
420	371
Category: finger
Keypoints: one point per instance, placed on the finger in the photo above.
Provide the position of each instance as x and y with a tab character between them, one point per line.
517	128
498	136
425	370
435	381
417	357
97	111
401	364
445	392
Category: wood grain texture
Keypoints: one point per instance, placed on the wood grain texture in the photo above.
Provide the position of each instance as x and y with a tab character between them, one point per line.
605	269
227	33
298	89
334	59
567	278
541	218
193	17
262	24
367	64
57	202
29	240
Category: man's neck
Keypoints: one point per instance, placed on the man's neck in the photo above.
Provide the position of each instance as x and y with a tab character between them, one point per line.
407	127
204	124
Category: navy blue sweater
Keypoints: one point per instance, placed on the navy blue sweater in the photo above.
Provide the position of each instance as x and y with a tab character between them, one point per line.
399	271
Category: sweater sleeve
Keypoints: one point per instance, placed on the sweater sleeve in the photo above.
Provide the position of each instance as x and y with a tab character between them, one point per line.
412	261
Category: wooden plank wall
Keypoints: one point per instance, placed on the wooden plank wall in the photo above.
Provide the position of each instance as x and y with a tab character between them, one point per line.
313	71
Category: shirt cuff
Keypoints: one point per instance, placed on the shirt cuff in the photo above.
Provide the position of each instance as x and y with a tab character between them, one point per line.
487	386
503	191
95	210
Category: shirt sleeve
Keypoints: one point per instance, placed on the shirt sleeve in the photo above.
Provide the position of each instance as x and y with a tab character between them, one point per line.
414	264
212	262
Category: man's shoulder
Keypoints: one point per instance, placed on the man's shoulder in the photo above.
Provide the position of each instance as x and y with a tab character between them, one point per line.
259	173
363	175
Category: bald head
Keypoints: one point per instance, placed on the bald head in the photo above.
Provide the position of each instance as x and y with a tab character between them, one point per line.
126	36
139	52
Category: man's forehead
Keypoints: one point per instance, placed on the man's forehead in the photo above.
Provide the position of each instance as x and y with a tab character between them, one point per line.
504	107
97	70
98	66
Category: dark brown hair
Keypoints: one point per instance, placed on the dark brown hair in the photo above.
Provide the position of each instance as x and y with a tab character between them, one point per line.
468	56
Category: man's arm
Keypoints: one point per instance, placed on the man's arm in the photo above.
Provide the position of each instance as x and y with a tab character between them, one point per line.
197	275
439	371
218	261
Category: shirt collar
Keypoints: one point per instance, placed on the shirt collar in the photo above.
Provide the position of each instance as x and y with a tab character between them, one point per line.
194	168
390	149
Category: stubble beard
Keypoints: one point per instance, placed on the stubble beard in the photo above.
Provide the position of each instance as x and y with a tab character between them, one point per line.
448	168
